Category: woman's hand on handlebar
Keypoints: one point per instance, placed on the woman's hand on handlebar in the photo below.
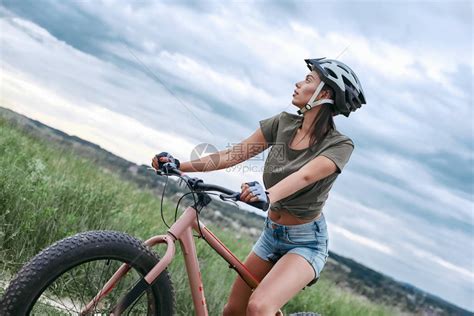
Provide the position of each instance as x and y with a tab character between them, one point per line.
254	194
163	158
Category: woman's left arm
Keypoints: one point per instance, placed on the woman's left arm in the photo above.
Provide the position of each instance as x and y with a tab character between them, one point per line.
315	170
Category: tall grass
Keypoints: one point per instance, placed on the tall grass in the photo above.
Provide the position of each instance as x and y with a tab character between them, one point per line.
48	193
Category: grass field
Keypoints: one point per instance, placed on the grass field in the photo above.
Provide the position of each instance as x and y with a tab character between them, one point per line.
48	193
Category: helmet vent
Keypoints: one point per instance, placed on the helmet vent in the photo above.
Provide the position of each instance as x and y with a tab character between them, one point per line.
331	73
343	68
348	83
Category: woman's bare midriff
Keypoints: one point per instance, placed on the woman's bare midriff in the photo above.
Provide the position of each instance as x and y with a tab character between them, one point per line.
284	218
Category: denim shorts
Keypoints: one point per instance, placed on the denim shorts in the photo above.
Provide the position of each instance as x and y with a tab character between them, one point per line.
309	240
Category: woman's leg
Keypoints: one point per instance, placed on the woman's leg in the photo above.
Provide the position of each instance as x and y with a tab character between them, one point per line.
289	276
240	293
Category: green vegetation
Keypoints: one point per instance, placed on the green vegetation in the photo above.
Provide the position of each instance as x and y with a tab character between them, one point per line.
48	193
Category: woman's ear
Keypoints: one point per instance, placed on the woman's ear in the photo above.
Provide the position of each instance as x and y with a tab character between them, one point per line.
325	94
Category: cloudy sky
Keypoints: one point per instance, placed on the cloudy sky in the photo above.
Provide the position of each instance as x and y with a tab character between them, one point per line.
145	77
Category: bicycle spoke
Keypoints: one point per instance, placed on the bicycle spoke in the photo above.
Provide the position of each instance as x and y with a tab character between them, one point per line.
98	291
89	283
48	301
78	287
94	277
68	291
107	276
54	292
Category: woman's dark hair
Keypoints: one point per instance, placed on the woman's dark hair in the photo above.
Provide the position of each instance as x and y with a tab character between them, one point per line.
324	121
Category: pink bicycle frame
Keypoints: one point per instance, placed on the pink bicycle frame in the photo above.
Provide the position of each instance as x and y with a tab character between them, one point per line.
181	230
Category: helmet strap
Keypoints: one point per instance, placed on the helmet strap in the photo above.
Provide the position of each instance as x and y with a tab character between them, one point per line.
311	103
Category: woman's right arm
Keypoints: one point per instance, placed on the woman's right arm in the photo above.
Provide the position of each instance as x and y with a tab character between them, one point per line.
238	153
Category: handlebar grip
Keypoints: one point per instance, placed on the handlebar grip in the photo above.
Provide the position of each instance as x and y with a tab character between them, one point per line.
234	196
260	205
170	168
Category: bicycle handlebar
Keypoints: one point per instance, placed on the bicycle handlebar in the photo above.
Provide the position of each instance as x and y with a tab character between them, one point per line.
211	187
199	185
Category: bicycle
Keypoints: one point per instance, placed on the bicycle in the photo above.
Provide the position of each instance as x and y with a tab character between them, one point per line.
55	281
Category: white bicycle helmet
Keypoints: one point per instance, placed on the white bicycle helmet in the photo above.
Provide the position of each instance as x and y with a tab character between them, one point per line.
349	95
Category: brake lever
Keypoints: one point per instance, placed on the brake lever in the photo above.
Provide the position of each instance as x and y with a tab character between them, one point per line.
157	171
235	196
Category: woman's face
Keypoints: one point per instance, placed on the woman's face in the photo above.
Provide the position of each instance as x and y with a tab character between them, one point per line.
305	89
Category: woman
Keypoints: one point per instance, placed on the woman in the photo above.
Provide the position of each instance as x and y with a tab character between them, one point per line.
306	157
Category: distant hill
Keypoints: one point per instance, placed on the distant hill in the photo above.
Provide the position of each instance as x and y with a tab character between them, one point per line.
345	272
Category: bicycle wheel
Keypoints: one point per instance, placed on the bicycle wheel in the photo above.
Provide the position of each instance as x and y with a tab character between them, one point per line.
66	276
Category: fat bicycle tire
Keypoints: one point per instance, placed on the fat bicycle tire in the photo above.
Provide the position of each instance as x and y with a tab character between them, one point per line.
68	258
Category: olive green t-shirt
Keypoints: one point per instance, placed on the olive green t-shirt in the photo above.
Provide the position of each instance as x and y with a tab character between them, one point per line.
282	161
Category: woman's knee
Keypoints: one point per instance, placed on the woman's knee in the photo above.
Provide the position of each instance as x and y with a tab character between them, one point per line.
233	310
260	307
